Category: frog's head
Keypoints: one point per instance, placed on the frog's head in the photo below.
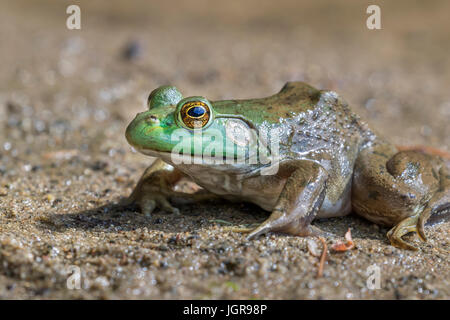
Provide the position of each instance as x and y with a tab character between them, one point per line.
174	125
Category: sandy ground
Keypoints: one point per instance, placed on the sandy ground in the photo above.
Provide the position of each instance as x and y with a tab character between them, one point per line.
67	96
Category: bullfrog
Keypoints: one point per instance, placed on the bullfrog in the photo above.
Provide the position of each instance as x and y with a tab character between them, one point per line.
300	154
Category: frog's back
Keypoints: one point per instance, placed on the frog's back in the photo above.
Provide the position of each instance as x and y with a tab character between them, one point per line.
294	98
309	120
315	125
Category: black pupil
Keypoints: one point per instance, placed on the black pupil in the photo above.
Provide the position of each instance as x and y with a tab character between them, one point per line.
196	112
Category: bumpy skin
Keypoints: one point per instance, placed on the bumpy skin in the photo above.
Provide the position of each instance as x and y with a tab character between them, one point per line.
329	163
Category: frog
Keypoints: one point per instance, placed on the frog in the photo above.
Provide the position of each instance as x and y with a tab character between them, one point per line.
301	154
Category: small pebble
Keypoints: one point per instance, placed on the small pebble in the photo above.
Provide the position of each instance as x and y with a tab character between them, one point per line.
3	192
132	51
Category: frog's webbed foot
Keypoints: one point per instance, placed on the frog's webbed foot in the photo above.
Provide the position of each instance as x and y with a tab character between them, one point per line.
298	204
155	190
438	208
410	224
148	202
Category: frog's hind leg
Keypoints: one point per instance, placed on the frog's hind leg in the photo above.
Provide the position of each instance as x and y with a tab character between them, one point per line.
397	189
410	224
438	207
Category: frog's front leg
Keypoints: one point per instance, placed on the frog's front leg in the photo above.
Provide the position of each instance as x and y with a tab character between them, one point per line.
299	201
155	189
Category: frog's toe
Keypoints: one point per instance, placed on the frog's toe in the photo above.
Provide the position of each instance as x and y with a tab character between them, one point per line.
421	232
149	202
295	229
165	205
252	231
407	225
267	226
313	231
258	231
400	243
147	206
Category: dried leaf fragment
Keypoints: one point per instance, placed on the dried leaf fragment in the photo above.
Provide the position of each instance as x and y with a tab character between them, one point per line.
344	246
61	154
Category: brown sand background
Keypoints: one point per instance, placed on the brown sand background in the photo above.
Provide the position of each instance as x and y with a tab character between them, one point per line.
67	96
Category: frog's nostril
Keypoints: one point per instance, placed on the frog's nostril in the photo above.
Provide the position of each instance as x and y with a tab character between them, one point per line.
152	120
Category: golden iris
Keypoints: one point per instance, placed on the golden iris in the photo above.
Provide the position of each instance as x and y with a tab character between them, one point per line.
195	114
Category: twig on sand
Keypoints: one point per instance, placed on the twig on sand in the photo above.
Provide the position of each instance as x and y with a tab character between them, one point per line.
220	221
322	257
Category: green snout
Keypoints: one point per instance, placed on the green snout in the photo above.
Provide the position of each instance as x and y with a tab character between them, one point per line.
152	131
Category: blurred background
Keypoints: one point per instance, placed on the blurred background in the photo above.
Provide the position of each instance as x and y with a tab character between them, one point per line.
397	77
66	97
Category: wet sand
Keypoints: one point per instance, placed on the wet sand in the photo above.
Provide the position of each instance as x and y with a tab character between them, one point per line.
66	98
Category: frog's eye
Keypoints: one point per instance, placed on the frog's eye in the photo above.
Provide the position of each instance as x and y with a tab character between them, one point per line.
195	114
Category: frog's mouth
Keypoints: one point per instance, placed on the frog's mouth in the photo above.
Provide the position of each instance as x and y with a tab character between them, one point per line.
181	158
188	160
153	153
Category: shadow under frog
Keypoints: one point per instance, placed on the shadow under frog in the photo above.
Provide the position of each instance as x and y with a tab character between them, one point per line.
116	217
